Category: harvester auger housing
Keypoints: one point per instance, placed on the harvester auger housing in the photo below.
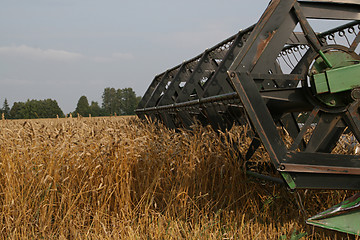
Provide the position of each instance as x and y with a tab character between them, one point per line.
279	74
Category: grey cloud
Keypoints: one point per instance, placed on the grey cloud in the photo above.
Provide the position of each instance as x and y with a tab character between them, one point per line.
24	51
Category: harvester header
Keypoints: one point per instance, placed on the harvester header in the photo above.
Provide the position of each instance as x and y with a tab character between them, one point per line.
280	75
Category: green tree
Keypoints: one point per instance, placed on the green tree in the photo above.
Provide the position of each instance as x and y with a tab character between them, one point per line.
52	109
110	104
120	102
128	101
82	107
95	109
6	109
36	109
18	110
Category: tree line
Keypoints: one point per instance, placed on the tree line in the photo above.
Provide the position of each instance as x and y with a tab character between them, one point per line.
114	102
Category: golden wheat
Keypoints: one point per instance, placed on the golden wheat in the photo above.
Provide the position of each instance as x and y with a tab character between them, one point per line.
122	178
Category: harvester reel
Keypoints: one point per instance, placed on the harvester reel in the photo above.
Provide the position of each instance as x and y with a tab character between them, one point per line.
274	78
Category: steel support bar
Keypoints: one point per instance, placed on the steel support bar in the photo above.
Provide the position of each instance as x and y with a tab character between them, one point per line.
259	114
331	10
266	177
223	97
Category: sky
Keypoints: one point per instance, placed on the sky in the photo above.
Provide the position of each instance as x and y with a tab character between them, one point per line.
64	49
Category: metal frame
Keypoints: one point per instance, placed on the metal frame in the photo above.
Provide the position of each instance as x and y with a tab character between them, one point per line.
242	79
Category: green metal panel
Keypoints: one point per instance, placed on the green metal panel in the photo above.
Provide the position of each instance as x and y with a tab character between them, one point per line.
338	79
344	217
348	223
321	83
325	59
288	179
344	78
345	74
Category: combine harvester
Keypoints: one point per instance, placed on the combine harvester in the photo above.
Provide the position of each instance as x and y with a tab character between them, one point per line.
280	74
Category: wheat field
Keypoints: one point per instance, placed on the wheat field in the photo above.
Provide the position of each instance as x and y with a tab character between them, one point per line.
123	178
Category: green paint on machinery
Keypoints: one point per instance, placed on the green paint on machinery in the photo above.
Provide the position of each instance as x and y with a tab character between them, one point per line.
333	85
343	217
285	80
329	80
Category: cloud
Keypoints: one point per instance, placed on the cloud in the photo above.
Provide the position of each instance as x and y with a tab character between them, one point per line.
24	51
114	57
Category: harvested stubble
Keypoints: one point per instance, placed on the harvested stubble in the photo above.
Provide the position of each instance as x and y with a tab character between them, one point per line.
121	178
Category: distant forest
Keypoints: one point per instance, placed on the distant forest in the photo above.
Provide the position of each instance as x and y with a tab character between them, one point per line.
114	102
